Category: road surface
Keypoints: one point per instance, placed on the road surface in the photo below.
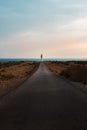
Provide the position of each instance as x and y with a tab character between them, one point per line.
44	102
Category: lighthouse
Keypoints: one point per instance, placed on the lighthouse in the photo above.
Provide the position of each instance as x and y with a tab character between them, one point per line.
41	57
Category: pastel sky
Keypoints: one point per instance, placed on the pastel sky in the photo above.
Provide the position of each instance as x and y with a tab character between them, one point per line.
56	28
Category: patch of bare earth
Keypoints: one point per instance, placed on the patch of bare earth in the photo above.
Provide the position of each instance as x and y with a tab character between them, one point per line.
76	72
12	74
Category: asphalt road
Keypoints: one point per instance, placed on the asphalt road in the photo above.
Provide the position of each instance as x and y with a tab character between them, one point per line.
44	102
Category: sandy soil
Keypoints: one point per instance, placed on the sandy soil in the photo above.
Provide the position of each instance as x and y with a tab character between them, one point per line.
12	74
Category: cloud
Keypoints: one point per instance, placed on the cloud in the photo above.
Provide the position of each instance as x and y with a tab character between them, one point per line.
75	29
79	23
30	33
54	27
32	47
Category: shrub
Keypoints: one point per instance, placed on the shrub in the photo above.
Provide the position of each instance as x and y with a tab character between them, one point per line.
6	76
77	73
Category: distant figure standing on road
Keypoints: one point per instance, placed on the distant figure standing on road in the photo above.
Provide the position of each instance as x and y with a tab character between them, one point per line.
41	57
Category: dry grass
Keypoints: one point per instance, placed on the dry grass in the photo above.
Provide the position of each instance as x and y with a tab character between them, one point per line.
75	71
14	73
6	76
56	67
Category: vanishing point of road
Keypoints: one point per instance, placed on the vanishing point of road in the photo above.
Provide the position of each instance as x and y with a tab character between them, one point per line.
44	102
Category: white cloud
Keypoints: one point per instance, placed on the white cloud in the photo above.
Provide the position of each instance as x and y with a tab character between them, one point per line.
29	33
75	29
78	6
80	23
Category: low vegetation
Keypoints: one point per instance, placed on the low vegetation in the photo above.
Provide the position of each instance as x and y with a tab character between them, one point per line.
12	74
6	76
75	71
8	64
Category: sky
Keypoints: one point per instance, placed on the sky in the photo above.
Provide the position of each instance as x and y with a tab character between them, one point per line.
55	28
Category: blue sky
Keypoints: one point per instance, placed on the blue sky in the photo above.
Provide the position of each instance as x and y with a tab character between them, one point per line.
56	28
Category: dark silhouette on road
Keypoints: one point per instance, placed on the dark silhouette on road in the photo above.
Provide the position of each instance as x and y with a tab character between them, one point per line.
44	102
41	57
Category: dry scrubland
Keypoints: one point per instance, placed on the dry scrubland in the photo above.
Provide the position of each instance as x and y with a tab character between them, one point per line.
13	74
74	71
